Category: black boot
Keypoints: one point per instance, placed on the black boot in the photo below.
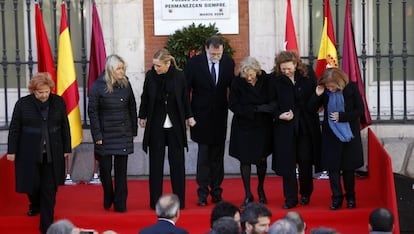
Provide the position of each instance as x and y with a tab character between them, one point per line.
245	170
261	173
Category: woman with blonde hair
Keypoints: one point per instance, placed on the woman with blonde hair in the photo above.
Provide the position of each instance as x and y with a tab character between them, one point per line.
163	112
113	115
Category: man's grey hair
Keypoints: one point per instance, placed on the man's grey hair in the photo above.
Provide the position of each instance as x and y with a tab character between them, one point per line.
225	225
297	219
63	226
283	226
167	206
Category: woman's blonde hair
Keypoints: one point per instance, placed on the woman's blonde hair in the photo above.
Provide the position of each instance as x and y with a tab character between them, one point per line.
164	56
112	63
334	75
40	78
249	63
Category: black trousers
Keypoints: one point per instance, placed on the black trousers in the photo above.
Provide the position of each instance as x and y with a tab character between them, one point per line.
43	197
176	162
303	151
348	177
210	170
118	194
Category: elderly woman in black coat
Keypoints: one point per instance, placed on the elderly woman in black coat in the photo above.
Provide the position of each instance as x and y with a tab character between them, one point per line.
341	139
296	127
39	140
251	127
114	123
164	111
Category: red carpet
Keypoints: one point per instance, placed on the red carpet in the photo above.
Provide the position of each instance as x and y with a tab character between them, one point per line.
82	204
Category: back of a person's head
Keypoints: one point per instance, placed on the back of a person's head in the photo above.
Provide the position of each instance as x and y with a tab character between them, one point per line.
109	232
63	226
382	220
252	212
323	230
223	209
225	225
297	219
167	206
283	226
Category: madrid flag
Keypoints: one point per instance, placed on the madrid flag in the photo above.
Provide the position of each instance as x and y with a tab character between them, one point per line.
98	53
327	56
44	53
67	86
290	32
350	63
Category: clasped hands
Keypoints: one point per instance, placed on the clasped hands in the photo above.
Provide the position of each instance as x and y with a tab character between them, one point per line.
287	116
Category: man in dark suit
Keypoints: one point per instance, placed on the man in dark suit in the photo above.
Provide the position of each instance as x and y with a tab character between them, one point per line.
168	211
209	77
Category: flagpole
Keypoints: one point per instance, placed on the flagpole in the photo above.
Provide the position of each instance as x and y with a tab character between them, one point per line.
96	67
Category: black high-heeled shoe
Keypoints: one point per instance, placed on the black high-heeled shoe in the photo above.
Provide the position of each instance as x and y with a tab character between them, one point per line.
262	196
246	201
335	205
351	204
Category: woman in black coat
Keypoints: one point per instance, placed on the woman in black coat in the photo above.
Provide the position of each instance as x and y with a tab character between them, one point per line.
296	127
114	124
38	142
341	139
163	112
251	127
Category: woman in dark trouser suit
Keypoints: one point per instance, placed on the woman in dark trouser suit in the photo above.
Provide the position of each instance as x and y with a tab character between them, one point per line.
251	127
341	139
163	112
113	114
296	127
39	141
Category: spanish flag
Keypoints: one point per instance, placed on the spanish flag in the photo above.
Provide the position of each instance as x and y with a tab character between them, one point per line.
67	86
45	61
290	32
327	56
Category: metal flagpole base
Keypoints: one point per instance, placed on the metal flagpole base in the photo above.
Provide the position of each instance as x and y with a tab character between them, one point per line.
95	179
69	181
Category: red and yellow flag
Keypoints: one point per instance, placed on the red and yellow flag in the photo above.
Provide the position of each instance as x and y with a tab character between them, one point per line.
327	56
44	53
67	86
290	32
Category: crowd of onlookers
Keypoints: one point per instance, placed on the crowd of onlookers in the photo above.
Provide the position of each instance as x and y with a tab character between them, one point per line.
227	218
